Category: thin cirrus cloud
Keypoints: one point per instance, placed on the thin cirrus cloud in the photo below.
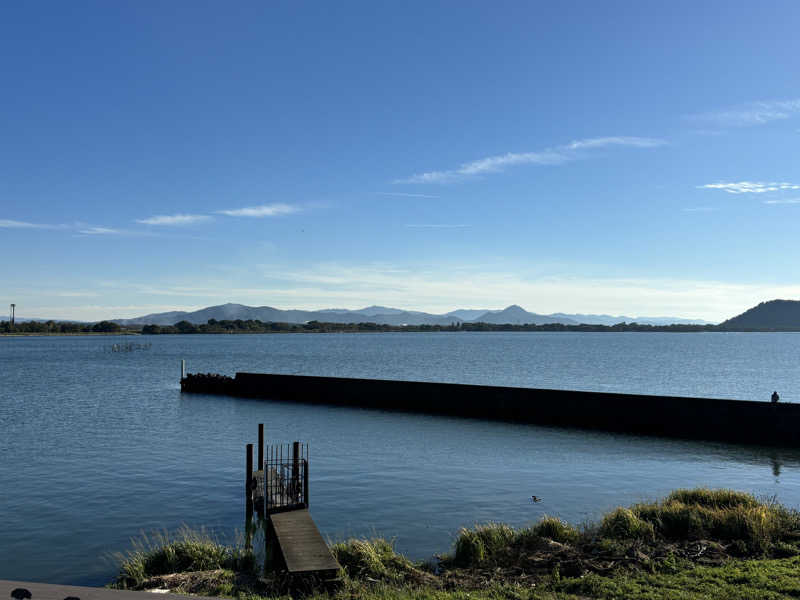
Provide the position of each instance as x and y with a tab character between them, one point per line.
99	231
265	210
549	156
10	224
750	187
438	225
405	195
174	219
746	115
783	201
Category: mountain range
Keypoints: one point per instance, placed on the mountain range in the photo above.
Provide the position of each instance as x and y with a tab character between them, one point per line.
513	314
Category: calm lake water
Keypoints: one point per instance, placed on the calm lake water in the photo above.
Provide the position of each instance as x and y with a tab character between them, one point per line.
98	446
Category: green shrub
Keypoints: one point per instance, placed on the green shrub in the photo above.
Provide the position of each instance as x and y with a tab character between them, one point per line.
475	546
712	498
556	530
184	551
470	549
623	524
673	521
720	514
374	558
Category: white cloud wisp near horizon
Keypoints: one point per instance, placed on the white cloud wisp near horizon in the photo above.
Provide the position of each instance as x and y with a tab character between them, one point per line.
11	224
179	219
550	156
99	231
265	210
750	187
753	113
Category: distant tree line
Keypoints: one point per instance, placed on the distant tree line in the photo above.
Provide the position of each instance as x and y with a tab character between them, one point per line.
54	327
256	326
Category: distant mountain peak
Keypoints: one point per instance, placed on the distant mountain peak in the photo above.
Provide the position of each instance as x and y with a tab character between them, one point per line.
514	308
516	315
772	314
379	310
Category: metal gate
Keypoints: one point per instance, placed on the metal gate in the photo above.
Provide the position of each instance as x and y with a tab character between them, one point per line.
286	477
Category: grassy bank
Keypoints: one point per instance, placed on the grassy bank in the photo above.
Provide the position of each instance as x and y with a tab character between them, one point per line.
694	544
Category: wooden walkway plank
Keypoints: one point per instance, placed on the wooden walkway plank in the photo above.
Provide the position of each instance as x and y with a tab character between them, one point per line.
301	543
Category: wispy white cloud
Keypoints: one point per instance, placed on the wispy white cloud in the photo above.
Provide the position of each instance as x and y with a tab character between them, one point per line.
602	142
174	219
69	294
438	225
405	195
100	231
9	224
265	210
783	201
713	132
750	187
753	113
550	156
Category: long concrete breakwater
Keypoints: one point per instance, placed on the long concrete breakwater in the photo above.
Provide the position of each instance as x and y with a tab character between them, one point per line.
671	416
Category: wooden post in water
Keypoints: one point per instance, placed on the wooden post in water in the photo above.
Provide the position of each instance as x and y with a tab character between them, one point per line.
305	480
260	446
296	467
248	485
183	369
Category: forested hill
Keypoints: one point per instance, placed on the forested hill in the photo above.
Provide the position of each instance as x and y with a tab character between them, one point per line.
781	315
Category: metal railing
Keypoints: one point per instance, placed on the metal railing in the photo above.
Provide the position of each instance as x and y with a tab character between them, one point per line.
286	477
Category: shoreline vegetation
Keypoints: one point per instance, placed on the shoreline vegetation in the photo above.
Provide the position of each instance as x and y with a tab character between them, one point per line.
250	326
693	544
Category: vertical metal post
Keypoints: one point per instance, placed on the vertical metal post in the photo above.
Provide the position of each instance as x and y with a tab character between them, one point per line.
260	446
296	471
248	485
296	467
305	482
183	369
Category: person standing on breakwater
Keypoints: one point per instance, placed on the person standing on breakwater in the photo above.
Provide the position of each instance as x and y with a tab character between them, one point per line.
775	397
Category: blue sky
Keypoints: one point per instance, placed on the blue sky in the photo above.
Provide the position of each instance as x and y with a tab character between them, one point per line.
634	158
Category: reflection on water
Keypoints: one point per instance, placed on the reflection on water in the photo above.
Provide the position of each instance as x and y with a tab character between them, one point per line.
776	466
101	446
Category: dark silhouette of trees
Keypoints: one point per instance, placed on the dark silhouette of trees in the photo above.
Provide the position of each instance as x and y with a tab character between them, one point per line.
106	327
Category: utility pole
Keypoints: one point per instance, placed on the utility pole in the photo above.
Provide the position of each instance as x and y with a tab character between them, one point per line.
11	320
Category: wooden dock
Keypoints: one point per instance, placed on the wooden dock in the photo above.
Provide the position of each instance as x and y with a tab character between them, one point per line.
277	485
301	545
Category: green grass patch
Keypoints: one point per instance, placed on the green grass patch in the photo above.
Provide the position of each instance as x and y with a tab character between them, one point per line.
183	551
709	498
482	543
624	524
738	580
555	529
375	559
724	515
